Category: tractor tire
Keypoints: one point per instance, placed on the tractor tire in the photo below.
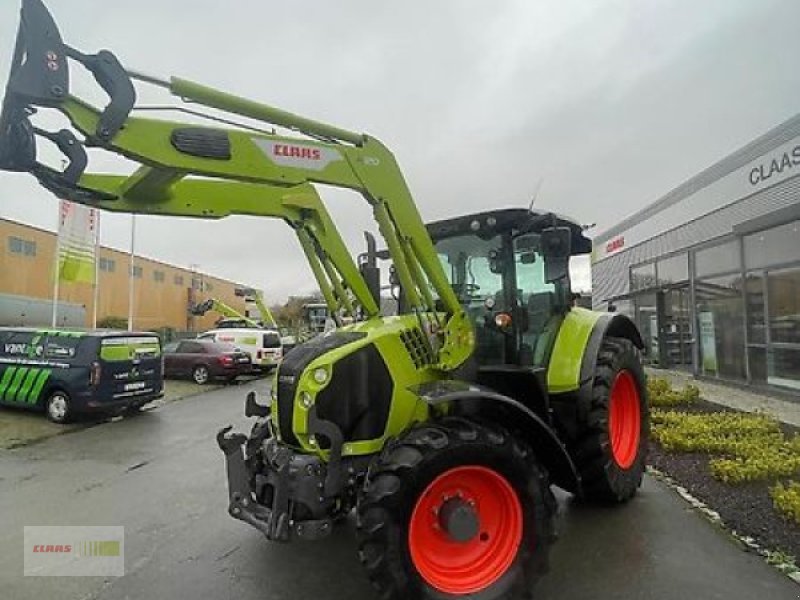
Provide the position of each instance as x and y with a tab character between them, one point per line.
455	509
610	449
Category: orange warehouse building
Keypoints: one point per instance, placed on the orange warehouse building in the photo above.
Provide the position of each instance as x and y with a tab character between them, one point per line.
162	292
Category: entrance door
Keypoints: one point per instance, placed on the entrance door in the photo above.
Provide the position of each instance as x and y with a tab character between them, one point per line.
677	329
646	319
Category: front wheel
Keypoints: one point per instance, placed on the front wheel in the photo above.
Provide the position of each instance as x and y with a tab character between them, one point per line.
58	407
611	447
455	509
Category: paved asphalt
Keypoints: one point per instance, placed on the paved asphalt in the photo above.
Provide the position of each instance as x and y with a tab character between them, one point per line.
161	476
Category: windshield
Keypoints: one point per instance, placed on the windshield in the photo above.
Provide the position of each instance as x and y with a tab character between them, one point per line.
467	263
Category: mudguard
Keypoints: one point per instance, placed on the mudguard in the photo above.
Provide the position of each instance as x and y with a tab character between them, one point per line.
608	325
474	400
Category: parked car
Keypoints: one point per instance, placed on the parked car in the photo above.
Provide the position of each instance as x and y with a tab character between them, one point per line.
263	345
69	372
205	360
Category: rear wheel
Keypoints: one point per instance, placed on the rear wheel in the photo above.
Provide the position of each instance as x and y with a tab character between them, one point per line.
455	509
58	407
200	374
611	449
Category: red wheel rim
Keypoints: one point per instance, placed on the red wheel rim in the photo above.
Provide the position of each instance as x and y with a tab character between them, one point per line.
624	419
465	567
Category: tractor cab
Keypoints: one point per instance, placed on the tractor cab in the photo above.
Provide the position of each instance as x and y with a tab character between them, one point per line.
510	270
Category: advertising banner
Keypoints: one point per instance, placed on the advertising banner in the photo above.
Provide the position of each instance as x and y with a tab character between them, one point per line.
77	242
708	342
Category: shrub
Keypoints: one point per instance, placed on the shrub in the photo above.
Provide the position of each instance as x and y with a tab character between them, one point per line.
787	500
747	447
112	322
661	393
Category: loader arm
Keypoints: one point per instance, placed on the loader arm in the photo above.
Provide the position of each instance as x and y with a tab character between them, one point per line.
206	172
257	297
212	304
299	205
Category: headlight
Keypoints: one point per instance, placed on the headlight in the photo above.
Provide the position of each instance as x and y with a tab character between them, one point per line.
306	400
320	375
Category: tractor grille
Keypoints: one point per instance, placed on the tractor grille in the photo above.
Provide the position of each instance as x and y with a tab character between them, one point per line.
359	395
292	367
417	347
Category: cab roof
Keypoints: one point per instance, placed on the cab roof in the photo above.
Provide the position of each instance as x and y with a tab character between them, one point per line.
517	220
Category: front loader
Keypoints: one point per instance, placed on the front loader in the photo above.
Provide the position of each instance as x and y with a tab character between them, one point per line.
230	316
444	426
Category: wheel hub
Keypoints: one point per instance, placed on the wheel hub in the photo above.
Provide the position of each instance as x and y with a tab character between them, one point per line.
458	518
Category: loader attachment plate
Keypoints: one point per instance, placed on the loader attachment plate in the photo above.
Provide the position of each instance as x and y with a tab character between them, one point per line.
39	77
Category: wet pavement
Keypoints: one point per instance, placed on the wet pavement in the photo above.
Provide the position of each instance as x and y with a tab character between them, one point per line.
161	476
20	427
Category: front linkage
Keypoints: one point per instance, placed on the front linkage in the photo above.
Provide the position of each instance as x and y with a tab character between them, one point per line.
283	492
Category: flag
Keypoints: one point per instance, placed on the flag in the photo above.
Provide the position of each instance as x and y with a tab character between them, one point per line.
77	242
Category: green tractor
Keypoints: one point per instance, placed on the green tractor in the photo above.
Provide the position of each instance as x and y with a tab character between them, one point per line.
445	426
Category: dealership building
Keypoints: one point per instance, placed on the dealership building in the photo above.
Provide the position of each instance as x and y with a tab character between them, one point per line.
711	271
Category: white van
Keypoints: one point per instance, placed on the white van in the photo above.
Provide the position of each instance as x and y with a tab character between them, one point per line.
263	345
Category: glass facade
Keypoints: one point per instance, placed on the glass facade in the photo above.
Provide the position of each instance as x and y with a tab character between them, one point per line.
674	269
721	258
720	319
729	310
643	276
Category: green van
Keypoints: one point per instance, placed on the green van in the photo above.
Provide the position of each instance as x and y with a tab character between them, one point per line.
66	373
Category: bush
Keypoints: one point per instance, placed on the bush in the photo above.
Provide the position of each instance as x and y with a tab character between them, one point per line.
748	447
787	500
661	393
112	322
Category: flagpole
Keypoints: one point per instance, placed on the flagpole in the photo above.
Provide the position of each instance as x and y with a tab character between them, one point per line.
96	268
56	290
57	270
130	273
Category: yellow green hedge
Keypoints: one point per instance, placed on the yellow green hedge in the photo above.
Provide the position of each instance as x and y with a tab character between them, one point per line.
787	500
661	393
746	447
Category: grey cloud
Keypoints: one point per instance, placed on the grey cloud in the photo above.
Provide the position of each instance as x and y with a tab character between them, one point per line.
610	103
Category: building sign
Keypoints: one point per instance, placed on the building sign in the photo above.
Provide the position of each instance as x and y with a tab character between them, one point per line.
617	243
769	169
785	163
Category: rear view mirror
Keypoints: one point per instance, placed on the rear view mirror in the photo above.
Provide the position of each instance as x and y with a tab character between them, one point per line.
556	248
556	242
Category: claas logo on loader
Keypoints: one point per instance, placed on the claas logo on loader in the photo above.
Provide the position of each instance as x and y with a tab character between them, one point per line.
300	156
296	152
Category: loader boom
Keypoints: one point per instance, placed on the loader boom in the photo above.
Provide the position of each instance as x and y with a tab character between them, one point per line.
212	304
205	172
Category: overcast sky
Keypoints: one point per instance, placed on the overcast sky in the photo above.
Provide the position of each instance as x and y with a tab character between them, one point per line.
609	103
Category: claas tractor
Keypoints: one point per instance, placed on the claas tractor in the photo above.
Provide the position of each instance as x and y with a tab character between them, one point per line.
443	427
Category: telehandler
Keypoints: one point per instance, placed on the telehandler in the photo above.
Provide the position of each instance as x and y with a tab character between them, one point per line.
444	426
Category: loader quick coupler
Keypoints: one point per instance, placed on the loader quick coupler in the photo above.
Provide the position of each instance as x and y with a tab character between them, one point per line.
281	491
